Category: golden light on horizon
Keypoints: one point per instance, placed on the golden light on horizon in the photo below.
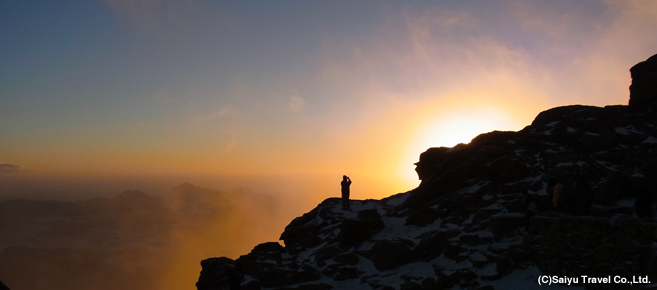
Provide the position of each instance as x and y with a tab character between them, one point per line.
450	129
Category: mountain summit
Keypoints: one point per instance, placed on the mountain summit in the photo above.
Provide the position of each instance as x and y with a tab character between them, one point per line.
570	195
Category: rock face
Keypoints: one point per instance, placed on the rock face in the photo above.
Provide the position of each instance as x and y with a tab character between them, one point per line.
643	91
571	194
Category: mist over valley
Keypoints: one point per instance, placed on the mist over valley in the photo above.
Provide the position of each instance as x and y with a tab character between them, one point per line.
134	239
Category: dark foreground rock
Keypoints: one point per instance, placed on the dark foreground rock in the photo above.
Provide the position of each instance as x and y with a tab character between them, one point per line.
570	195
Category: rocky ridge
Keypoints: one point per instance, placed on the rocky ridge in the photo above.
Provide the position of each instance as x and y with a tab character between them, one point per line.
486	210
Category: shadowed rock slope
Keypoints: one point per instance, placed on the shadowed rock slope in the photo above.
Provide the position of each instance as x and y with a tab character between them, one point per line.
571	194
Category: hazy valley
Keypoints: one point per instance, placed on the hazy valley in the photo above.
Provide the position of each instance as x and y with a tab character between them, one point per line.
133	240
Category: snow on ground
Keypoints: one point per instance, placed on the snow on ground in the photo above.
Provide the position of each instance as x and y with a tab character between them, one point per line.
609	166
553	123
650	140
397	200
473	188
627	130
626	202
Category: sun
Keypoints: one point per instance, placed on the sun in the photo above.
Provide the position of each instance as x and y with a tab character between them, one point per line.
450	129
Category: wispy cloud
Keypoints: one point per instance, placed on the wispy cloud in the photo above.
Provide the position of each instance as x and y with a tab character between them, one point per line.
296	103
212	116
10	167
424	28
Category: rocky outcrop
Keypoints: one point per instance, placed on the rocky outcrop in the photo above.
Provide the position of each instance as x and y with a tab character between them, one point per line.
571	194
643	91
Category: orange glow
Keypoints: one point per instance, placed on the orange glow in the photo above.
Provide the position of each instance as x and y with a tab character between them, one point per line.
451	129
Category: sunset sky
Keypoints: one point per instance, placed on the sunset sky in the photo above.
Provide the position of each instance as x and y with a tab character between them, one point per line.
94	90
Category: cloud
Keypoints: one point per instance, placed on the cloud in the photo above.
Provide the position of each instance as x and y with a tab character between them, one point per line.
218	114
296	103
10	167
435	54
423	29
589	49
539	54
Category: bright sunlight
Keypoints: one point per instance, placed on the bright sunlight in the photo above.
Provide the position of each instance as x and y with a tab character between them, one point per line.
449	130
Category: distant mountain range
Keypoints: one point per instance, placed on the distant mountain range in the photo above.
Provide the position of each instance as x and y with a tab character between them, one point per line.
570	195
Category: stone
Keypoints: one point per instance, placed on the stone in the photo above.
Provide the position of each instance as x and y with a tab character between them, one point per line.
341	272
432	246
355	231
430	284
463	277
215	273
268	247
409	285
390	254
472	240
347	259
326	253
294	236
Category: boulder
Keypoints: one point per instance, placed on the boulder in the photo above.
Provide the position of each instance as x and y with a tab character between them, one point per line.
355	231
341	272
216	273
391	254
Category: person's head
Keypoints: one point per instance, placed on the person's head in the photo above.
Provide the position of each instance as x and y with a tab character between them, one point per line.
344	177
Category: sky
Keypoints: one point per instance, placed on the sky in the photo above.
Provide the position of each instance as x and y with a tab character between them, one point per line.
291	91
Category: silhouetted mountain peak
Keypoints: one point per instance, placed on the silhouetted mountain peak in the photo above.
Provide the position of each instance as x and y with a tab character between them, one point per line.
189	198
569	195
185	186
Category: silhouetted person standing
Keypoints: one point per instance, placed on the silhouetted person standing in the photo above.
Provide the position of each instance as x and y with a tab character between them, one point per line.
346	182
